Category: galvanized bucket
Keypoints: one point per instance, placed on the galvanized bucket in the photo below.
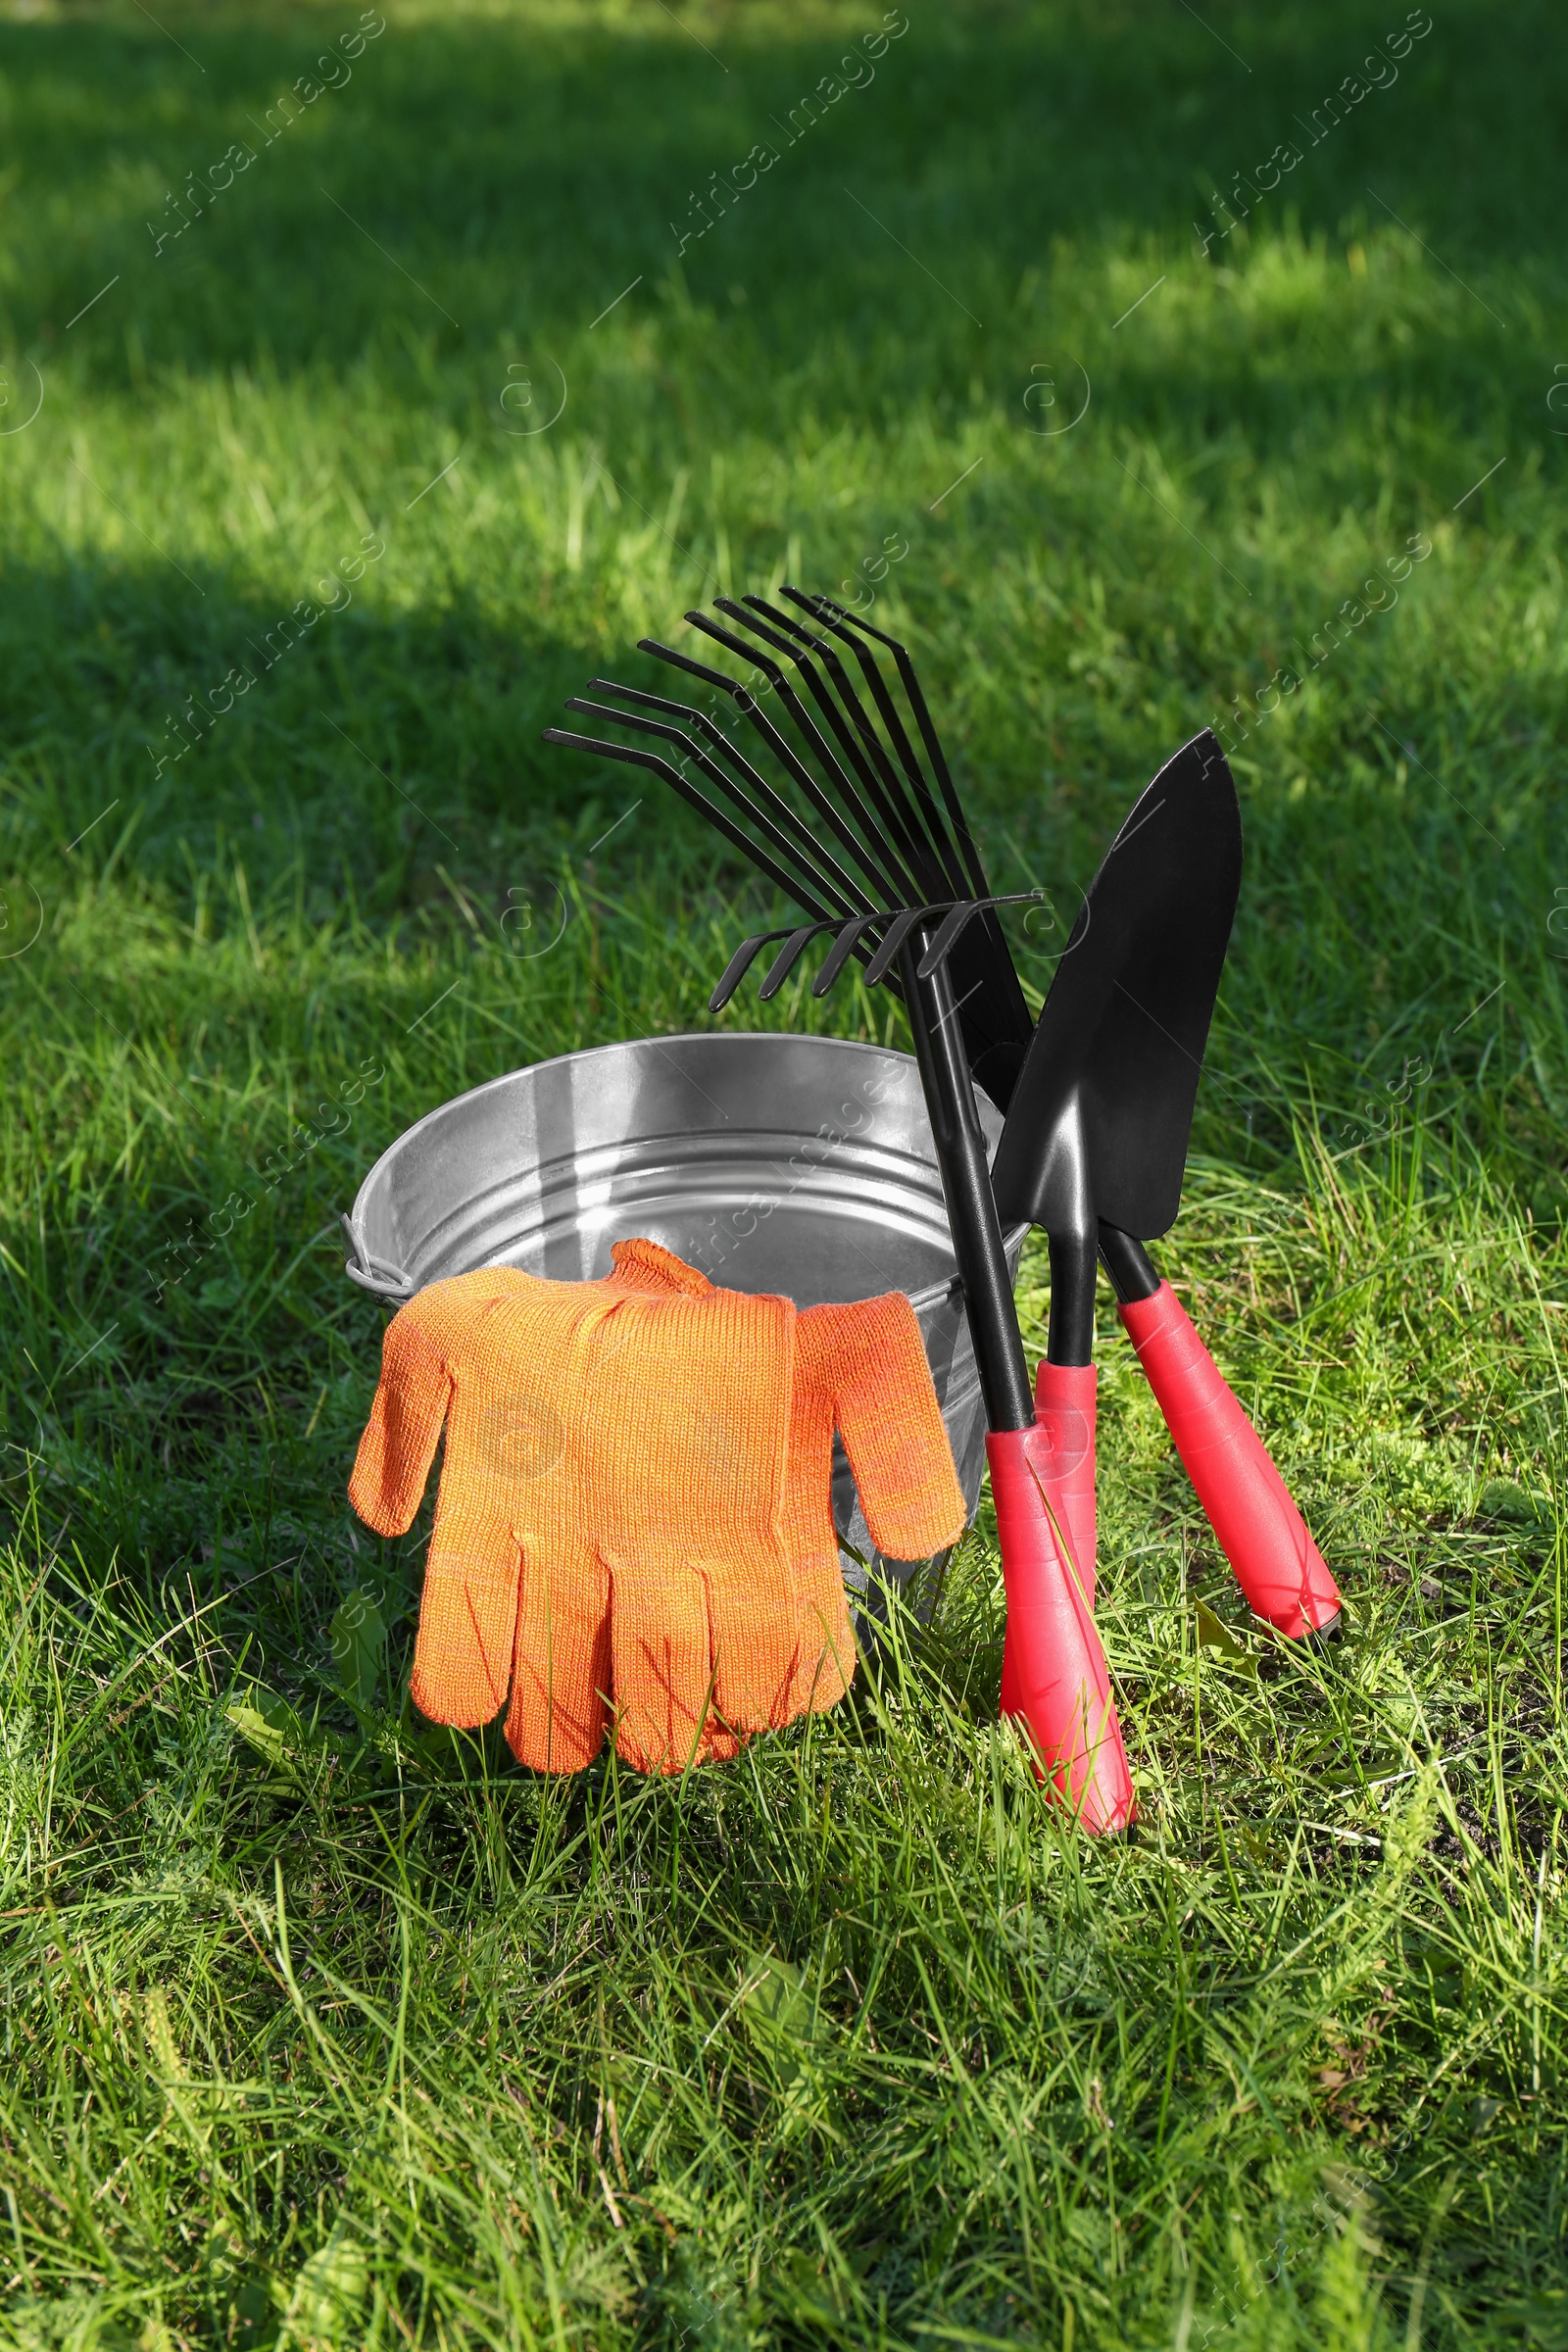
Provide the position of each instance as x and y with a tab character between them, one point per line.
795	1164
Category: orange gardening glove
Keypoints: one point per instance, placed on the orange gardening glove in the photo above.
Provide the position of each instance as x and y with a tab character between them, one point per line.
621	1506
609	1510
861	1369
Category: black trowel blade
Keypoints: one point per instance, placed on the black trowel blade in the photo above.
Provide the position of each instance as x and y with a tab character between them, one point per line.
1102	1107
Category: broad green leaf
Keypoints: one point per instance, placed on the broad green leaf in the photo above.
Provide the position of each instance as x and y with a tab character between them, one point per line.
775	1999
329	2290
269	1739
1211	1635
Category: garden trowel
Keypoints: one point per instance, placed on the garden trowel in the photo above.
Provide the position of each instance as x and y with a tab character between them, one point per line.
1094	1150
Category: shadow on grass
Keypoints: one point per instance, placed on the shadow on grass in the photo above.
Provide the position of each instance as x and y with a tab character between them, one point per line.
478	179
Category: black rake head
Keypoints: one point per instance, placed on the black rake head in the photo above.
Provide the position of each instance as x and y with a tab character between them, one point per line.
853	812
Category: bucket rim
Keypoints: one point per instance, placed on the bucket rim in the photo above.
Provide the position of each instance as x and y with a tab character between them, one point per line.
387	1283
618	1045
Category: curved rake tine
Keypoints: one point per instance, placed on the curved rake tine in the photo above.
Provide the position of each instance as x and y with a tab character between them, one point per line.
951	929
788	956
922	811
843	947
746	700
881	790
738	964
909	791
833	883
629	756
899	930
994	1007
771	801
928	735
905	884
954	925
821	610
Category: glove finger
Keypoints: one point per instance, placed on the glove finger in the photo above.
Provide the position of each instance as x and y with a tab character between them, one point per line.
463	1658
825	1655
755	1610
719	1744
870	1358
399	1438
561	1671
663	1663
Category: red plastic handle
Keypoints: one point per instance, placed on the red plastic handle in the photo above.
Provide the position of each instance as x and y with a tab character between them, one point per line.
1061	1685
1065	1415
1063	1455
1249	1506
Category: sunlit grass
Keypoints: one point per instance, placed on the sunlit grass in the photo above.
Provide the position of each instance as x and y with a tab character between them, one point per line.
323	2027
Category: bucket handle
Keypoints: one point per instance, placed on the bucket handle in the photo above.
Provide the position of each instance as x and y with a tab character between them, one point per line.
373	1273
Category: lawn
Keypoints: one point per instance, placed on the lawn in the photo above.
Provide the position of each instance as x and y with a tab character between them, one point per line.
1136	379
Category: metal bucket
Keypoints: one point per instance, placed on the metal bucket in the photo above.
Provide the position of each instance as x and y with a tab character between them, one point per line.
795	1164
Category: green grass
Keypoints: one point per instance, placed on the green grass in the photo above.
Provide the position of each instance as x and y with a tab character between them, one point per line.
323	2029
